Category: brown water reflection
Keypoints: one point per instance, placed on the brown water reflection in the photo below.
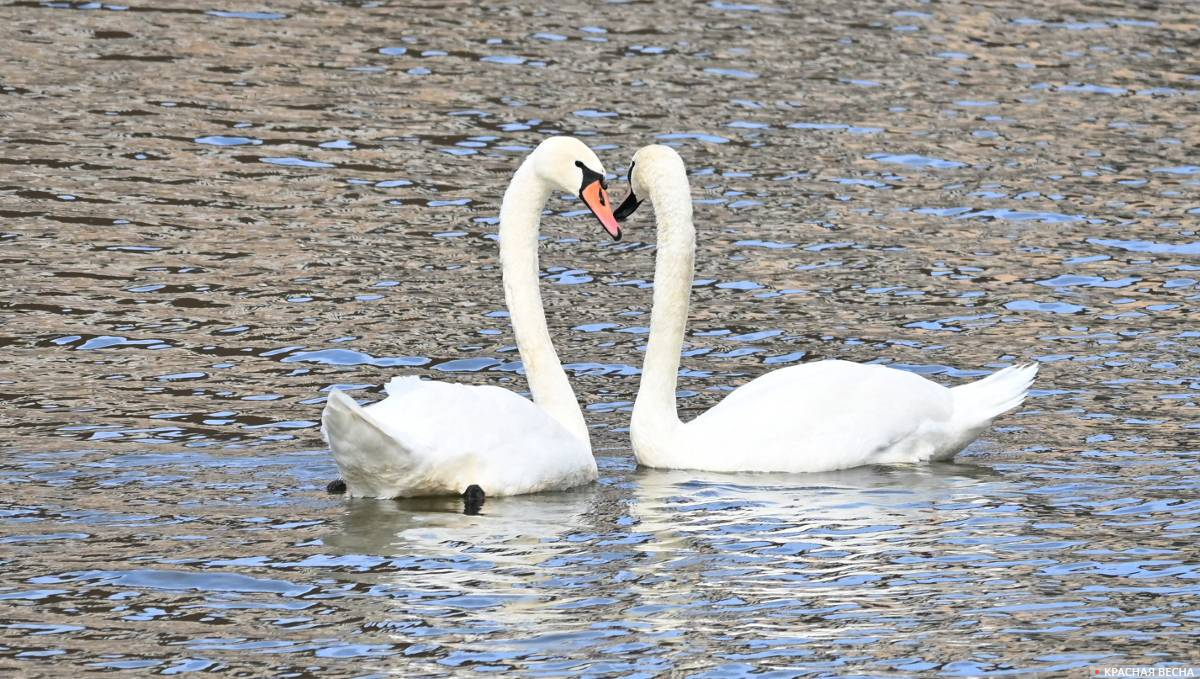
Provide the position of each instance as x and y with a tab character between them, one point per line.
211	215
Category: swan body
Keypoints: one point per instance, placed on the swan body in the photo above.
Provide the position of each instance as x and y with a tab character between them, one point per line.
436	438
407	446
815	417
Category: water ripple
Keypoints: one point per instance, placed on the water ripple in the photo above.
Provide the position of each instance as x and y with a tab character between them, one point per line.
213	216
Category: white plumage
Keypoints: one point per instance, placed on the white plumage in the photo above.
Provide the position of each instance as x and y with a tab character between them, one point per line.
436	438
820	416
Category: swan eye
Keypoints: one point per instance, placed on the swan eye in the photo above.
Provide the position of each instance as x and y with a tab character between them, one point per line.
589	176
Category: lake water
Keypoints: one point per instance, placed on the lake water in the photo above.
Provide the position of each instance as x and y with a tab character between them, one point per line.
212	215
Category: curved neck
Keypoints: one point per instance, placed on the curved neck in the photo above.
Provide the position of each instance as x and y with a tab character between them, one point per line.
672	202
520	217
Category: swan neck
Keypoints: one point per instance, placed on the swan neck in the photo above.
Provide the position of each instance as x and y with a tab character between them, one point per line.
520	220
673	271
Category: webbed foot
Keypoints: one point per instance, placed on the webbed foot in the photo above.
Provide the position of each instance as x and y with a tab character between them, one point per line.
473	498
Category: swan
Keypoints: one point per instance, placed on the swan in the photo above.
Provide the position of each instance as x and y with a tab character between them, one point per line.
814	417
431	438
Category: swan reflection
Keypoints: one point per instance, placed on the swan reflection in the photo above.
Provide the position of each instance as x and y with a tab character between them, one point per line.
439	524
659	548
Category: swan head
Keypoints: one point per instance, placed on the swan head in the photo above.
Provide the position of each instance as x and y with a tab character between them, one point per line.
650	163
569	165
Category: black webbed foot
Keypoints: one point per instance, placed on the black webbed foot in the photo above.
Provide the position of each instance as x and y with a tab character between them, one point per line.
473	498
336	487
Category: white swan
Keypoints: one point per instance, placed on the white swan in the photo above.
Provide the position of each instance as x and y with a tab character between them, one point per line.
437	438
814	417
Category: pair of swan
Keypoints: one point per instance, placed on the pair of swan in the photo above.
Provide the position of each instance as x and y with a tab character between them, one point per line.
438	438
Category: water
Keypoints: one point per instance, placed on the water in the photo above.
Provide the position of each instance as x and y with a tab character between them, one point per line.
212	217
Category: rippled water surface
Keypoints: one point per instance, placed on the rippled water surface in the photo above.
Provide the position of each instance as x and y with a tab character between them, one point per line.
212	215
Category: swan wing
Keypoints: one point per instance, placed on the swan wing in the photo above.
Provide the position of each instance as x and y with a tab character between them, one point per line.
437	438
823	416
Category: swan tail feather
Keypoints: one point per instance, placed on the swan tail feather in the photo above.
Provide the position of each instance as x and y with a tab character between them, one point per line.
372	462
977	403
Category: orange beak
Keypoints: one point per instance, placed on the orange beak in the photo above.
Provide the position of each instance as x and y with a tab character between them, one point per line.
596	198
